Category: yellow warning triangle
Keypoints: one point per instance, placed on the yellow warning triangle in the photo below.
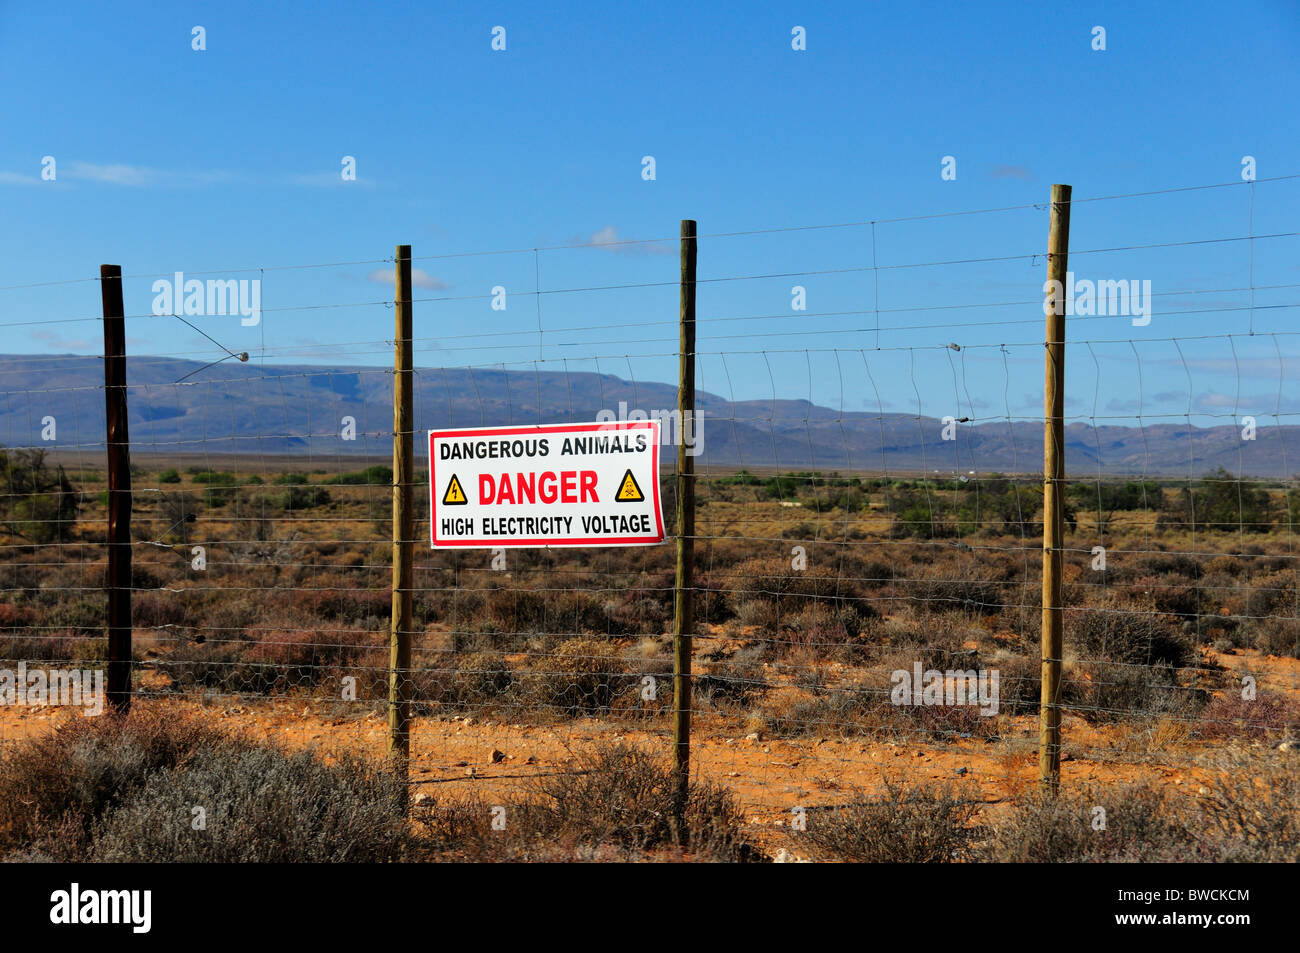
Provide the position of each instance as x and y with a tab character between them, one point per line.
454	495
628	491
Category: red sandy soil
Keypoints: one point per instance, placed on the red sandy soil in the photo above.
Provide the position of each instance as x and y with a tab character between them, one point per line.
452	756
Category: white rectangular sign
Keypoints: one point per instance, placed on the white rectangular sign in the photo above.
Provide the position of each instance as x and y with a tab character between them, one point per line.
546	485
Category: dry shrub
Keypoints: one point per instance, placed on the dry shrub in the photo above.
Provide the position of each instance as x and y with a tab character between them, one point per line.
774	580
1020	682
345	604
1106	692
936	641
733	683
579	676
821	632
963	591
70	777
263	806
866	708
1249	808
1278	636
480	680
921	824
624	796
152	610
1142	823
1246	813
15	616
1127	634
610	803
1264	593
1268	715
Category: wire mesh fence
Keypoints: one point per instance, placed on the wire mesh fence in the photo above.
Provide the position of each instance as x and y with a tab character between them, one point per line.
868	448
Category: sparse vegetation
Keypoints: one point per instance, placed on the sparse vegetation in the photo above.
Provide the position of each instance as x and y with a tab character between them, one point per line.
812	588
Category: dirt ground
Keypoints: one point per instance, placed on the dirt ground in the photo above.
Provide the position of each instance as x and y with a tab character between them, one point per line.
455	756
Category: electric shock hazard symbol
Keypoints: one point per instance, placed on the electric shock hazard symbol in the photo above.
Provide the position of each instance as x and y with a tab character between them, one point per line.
455	496
546	485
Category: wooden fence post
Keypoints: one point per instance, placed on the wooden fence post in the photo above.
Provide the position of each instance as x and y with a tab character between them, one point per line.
399	675
118	445
684	591
1053	632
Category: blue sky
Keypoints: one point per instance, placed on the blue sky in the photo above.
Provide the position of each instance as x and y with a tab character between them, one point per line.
227	162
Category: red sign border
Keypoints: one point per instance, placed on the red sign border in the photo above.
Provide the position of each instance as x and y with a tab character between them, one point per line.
616	425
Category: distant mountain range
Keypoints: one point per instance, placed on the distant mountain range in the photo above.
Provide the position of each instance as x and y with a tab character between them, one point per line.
300	410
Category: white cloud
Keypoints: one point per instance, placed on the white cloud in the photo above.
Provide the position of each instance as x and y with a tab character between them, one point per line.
608	239
17	178
114	174
135	176
322	179
1011	172
58	342
419	278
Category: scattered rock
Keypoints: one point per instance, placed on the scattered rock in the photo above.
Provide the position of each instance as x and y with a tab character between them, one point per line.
532	759
783	856
962	772
461	764
422	800
496	756
752	736
470	772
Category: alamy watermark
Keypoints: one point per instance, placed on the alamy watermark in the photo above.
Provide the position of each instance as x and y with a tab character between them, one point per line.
675	428
82	688
133	908
952	687
1085	297
216	296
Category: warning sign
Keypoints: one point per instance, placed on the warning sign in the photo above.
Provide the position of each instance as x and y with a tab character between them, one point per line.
628	491
546	485
455	495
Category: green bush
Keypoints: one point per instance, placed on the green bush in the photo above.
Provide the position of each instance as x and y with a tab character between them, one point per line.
38	503
219	488
1221	502
215	478
378	475
304	497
